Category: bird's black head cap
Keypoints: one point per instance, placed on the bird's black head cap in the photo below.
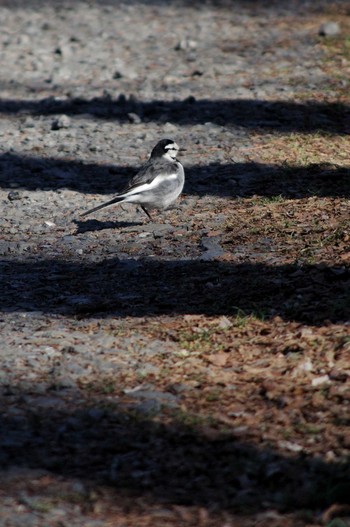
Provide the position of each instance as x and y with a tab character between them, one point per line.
163	147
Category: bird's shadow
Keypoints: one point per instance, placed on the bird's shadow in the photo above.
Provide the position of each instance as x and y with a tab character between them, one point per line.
96	225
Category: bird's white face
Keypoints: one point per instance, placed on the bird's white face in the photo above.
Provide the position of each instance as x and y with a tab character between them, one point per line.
171	151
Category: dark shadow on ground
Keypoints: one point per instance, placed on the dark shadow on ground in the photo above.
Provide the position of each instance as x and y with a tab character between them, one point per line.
170	464
282	116
219	179
145	287
96	225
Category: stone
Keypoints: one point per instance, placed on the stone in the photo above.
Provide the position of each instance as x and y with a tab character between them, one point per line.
14	195
329	29
63	121
134	118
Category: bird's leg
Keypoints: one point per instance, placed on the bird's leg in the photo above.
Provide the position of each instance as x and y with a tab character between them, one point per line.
146	212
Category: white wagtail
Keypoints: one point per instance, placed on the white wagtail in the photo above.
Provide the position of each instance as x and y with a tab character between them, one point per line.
158	182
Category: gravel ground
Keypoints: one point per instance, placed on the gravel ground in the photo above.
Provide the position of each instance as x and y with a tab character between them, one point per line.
87	89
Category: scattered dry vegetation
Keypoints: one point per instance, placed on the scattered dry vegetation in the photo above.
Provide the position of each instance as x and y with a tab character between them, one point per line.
263	424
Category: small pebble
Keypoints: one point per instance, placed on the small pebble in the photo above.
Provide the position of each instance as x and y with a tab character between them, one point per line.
13	195
186	44
63	121
134	118
329	29
317	381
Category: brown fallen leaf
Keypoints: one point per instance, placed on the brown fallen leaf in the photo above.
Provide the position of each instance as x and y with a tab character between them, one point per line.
218	359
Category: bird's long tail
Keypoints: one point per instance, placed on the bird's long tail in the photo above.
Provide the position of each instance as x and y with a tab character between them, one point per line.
117	199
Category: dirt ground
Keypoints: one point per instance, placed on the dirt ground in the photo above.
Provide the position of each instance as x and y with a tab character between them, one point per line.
192	370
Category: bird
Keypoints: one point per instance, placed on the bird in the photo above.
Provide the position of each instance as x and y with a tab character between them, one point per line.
157	184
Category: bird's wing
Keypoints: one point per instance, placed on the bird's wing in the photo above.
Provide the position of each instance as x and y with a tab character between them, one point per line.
148	173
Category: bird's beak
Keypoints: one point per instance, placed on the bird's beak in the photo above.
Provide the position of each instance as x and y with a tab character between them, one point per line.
183	150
